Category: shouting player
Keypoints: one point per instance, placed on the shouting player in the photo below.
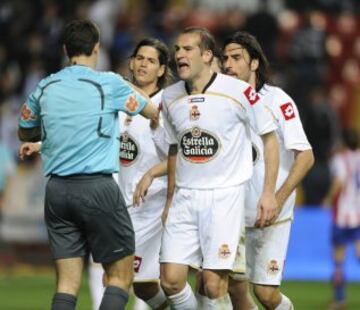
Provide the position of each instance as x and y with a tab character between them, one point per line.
207	118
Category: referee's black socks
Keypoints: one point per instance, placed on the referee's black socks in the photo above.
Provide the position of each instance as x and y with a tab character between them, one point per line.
114	298
63	301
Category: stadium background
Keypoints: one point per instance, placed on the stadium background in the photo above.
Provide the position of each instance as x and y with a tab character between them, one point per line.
314	50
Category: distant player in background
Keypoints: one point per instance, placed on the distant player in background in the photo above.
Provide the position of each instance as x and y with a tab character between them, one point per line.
7	168
142	146
74	112
266	247
344	197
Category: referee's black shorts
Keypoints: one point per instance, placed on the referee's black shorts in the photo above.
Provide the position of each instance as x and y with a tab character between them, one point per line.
87	213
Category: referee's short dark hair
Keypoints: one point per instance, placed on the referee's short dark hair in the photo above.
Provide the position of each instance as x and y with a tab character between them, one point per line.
80	37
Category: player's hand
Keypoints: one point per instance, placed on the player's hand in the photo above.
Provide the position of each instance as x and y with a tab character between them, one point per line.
267	210
154	122
28	148
141	189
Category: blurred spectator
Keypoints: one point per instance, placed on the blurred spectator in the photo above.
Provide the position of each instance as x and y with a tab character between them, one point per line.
322	128
7	169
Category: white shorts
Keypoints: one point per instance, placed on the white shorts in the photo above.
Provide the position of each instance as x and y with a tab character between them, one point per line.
148	229
239	271
266	253
203	227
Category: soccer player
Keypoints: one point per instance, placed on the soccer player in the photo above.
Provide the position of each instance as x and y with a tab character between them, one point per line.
75	114
207	115
266	246
344	196
142	145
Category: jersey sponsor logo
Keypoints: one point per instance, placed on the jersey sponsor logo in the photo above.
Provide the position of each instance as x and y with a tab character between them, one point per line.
26	113
273	267
251	95
288	111
224	251
194	113
137	263
129	149
199	146
196	99
131	104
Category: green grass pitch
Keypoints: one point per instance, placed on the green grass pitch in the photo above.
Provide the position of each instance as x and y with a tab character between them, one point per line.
29	291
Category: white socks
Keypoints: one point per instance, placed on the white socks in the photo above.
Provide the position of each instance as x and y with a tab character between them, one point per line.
95	284
158	300
285	304
222	303
185	300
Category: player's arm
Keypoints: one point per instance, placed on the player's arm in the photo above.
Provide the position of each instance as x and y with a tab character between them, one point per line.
267	206
145	182
150	110
303	161
171	168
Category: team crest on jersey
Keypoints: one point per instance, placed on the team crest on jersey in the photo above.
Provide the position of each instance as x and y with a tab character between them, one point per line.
199	146
273	267
194	113
129	149
26	113
251	95
288	111
131	104
224	251
137	263
196	99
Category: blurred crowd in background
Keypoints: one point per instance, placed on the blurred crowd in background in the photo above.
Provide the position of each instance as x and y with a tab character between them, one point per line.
313	47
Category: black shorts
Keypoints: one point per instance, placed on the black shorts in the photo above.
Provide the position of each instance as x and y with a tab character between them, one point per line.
87	213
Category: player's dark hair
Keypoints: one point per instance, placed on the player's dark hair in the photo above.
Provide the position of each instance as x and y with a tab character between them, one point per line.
351	138
207	40
80	37
163	56
252	46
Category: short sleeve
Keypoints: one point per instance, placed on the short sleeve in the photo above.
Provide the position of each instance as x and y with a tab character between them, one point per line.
170	133
254	111
290	124
338	168
125	98
30	110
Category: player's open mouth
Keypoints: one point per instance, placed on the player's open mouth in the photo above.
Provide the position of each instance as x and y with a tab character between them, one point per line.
182	65
141	72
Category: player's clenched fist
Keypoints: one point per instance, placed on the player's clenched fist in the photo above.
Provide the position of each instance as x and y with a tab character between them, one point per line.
28	148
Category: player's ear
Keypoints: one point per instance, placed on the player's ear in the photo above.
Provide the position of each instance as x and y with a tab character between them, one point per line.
96	48
64	50
207	56
161	71
254	65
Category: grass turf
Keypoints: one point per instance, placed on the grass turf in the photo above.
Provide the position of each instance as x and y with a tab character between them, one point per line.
32	291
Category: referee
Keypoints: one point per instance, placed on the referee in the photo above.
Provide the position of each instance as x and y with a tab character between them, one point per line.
74	112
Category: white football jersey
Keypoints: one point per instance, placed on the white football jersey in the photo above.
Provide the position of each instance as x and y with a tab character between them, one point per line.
212	131
291	137
138	153
346	167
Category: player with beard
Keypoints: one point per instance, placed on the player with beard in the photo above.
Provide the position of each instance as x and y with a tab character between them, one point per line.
266	247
